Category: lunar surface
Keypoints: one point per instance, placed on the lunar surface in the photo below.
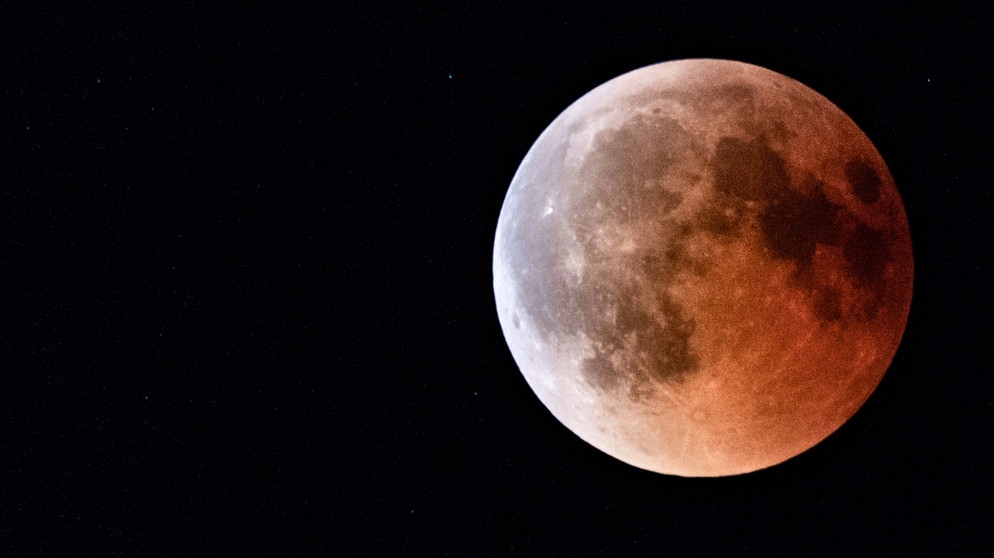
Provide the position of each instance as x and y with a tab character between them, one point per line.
703	268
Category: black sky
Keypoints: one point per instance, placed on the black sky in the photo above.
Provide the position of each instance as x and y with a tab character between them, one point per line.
248	307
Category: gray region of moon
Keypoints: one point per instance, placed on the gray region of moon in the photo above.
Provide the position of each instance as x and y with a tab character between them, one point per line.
702	268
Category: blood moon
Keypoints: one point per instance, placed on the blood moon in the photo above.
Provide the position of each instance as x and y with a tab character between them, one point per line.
703	268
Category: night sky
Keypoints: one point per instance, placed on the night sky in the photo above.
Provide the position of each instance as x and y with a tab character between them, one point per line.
247	302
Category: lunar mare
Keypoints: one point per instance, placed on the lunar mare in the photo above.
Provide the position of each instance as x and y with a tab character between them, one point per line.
703	268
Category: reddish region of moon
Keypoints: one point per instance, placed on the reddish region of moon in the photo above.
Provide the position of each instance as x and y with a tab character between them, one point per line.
703	268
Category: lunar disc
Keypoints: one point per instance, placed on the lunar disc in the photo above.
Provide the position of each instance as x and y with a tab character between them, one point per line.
703	268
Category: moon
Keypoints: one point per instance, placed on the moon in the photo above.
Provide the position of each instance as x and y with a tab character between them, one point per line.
703	268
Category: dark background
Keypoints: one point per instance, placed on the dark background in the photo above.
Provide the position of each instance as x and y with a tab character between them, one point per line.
245	253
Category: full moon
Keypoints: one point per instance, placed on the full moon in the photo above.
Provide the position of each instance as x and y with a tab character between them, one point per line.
703	268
